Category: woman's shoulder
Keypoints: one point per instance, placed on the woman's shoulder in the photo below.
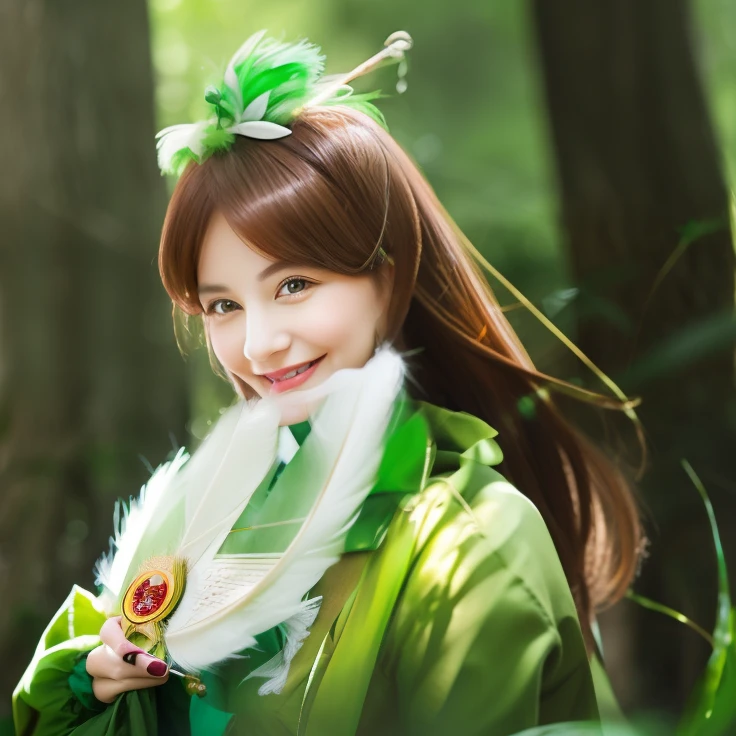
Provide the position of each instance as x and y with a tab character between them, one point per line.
499	536
485	610
484	518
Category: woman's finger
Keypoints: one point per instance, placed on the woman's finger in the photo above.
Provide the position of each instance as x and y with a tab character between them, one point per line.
104	662
107	690
112	635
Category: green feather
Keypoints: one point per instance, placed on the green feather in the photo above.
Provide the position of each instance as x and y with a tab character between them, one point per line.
181	159
290	73
362	103
293	76
216	139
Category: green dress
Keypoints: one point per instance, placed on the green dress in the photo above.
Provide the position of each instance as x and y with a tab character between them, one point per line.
448	612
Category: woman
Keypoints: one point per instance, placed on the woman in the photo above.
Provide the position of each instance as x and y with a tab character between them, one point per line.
306	238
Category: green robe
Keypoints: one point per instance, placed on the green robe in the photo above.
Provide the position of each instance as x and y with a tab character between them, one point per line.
449	612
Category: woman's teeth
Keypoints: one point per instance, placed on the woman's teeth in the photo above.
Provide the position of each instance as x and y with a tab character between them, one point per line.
291	374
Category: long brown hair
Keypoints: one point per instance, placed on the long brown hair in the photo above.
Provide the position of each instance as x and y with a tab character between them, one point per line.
340	193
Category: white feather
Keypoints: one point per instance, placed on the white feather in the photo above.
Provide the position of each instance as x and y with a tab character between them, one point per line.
129	524
261	129
346	446
225	579
173	139
295	630
216	494
187	505
257	109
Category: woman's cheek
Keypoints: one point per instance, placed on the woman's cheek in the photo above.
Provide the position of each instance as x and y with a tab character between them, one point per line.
342	336
225	348
329	329
348	334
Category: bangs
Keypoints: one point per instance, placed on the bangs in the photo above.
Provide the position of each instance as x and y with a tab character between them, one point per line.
285	202
318	197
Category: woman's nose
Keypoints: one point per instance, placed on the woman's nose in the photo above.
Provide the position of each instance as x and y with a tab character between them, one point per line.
264	336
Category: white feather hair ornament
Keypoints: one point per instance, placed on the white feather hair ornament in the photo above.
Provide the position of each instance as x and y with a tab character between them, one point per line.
267	84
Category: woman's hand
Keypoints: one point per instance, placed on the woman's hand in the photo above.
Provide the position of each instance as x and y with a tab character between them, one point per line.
118	666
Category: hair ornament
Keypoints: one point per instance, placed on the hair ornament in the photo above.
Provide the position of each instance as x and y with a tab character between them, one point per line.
267	84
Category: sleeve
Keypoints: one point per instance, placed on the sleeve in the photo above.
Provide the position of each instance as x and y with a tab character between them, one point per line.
54	696
486	637
44	701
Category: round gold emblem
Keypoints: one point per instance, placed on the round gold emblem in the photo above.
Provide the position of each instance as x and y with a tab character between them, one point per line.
152	596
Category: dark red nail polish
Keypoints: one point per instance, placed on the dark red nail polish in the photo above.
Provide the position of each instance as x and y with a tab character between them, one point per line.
157	668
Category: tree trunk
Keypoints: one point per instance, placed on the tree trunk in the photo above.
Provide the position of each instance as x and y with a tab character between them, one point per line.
90	379
639	174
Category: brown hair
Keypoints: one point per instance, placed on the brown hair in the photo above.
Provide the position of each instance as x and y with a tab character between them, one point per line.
333	195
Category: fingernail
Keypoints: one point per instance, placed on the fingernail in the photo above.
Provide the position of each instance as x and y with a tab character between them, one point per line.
157	668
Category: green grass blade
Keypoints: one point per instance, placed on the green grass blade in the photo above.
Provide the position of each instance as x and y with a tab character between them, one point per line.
667	611
723	587
712	708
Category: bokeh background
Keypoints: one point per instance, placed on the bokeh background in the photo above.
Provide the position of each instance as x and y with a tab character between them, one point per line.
588	149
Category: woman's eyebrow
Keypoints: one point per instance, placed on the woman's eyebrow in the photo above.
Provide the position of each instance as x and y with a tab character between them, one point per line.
262	276
211	289
274	267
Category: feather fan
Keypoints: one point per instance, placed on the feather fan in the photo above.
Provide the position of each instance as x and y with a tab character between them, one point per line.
230	599
188	508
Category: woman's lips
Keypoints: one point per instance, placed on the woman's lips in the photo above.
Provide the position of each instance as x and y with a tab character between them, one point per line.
278	387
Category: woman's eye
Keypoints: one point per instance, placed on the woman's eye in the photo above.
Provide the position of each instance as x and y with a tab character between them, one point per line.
293	286
223	306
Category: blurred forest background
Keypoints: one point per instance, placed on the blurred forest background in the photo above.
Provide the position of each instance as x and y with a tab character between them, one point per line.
587	147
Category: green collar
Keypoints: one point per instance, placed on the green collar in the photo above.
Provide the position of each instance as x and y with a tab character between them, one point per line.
301	431
426	441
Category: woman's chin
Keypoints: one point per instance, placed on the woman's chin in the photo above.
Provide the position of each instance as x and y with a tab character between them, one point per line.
294	415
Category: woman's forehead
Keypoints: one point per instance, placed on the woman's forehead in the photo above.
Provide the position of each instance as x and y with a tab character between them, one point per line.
223	251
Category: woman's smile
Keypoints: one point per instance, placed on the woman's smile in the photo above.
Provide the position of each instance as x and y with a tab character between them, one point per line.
289	378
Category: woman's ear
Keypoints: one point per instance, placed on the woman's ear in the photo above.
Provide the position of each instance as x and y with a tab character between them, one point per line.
384	281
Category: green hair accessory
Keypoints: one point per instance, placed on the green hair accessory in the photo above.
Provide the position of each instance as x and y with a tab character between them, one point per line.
267	84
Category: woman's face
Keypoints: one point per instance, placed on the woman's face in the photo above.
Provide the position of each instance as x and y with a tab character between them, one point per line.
267	319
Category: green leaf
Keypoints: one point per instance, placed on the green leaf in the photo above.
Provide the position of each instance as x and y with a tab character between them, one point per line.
711	710
212	95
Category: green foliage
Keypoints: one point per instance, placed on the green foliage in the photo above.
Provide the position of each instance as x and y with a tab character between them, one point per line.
712	707
667	611
701	339
711	710
591	729
715	21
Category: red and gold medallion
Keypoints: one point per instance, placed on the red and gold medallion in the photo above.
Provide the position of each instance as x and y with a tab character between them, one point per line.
152	596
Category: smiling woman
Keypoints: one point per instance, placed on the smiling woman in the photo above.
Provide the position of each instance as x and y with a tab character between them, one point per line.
274	326
345	554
